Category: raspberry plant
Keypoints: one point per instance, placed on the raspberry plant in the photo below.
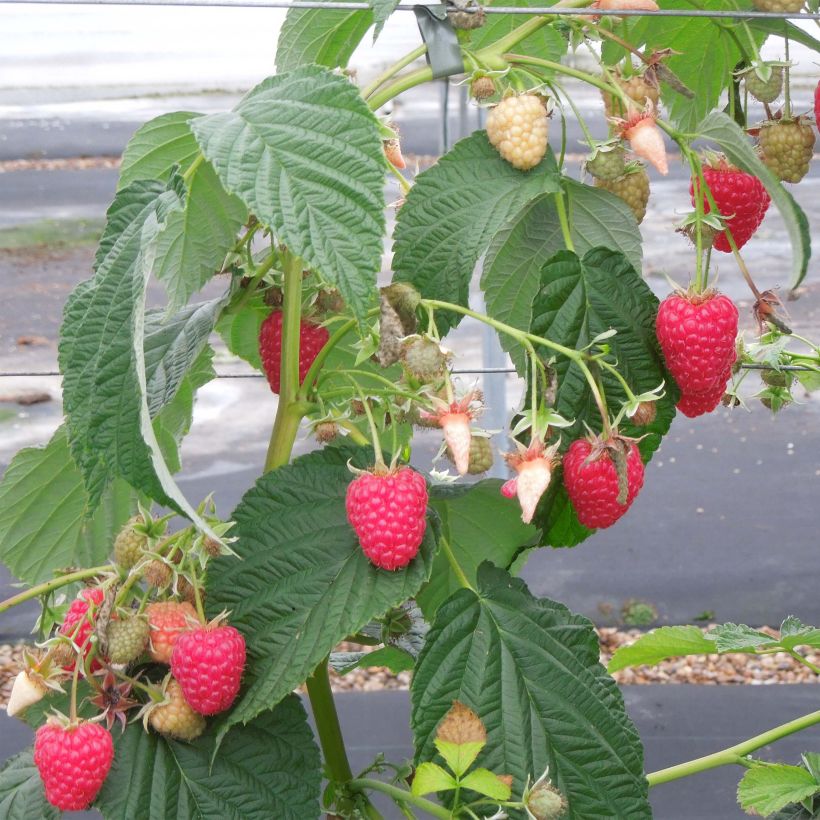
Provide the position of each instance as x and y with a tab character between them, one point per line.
282	201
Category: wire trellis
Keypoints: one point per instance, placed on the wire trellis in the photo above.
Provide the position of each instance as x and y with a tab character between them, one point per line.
356	6
477	371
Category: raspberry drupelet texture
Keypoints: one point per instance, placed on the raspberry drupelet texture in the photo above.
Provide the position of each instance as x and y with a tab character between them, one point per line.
175	718
518	128
740	197
389	515
591	480
788	146
73	763
78	625
312	338
167	621
208	663
632	188
697	336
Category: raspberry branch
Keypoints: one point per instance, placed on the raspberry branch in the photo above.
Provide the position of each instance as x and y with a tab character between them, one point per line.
54	583
734	754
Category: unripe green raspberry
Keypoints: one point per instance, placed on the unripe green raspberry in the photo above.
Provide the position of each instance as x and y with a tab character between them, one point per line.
482	88
787	147
423	358
481	455
764	90
632	188
130	543
777	379
545	802
607	162
127	638
518	128
326	431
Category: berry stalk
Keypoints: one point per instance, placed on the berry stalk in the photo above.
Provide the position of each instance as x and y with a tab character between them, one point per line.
400	796
54	583
734	754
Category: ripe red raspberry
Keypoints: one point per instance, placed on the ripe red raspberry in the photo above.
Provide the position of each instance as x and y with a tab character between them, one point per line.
592	480
73	762
697	334
168	620
208	663
78	625
740	198
697	404
388	511
312	338
817	105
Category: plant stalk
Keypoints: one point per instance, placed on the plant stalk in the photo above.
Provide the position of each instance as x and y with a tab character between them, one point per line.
327	724
54	583
733	754
400	796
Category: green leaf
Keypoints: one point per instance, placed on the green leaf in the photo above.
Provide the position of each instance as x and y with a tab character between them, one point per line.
197	239
479	524
794	633
778	28
739	638
43	513
158	146
797	811
512	271
302	573
703	59
268	769
719	128
578	300
382	9
326	37
103	357
769	787
304	153
660	644
485	782
530	670
430	777
240	330
174	421
459	756
22	796
453	211
395	659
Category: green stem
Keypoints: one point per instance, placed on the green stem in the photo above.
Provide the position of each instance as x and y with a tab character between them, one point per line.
253	285
787	98
327	724
394	69
195	584
318	362
570	72
508	330
193	168
374	432
734	753
399	85
454	565
55	583
400	796
354	433
805	661
564	220
290	411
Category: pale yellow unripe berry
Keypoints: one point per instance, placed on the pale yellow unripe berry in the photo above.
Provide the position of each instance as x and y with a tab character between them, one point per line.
518	127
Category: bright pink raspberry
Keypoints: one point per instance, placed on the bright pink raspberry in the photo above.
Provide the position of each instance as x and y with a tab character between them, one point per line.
389	514
591	480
